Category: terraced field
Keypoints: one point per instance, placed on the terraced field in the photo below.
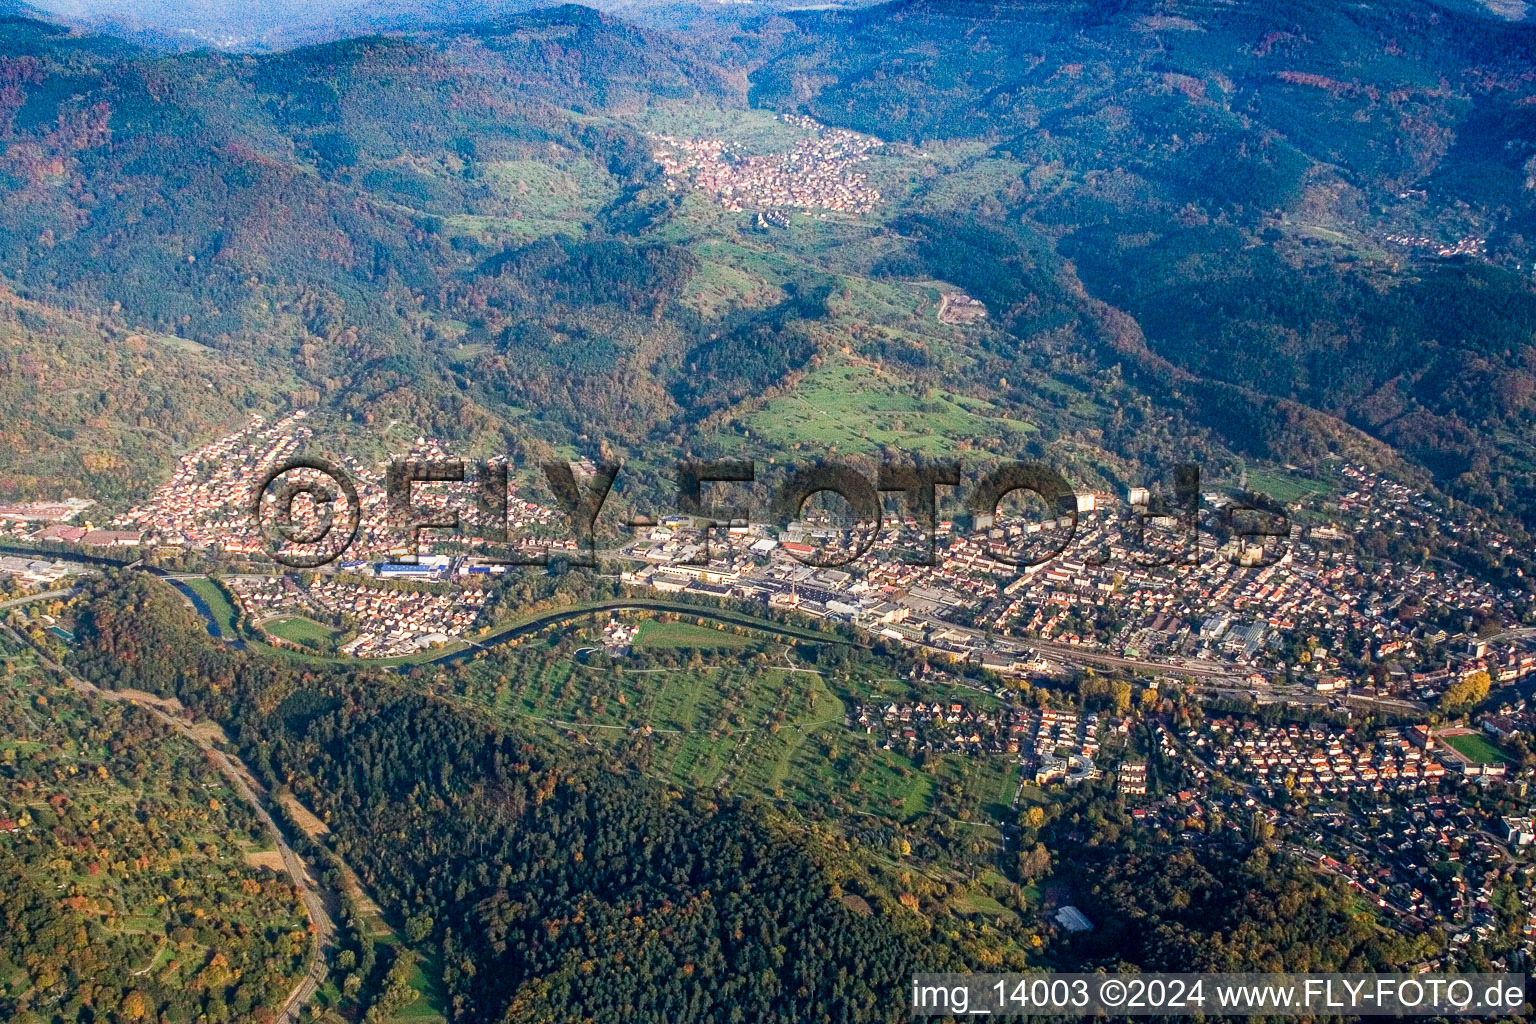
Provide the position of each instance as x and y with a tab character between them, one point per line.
757	724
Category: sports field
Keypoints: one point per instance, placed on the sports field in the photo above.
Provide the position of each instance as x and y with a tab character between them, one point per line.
297	629
1475	748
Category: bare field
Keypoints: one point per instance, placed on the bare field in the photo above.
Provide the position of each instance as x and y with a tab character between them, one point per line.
266	859
302	815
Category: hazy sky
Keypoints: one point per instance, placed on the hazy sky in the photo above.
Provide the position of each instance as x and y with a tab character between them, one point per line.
254	11
268	24
233	22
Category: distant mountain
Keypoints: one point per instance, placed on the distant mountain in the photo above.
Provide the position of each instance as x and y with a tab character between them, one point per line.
1277	193
267	26
225	24
1276	230
273	25
13	12
274	209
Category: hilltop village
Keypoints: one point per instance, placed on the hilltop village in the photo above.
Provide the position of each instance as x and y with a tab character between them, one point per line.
817	175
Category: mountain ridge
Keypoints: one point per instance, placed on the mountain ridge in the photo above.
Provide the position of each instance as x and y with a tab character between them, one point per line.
357	211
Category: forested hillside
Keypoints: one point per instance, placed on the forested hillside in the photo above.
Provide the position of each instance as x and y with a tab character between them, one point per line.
545	884
554	892
1234	177
1228	234
293	206
304	209
129	877
93	435
550	879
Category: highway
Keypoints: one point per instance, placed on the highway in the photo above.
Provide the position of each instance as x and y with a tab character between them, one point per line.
31	598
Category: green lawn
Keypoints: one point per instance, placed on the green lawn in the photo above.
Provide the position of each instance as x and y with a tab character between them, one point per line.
1476	748
567	190
297	629
719	287
1285	487
426	1008
654	634
224	614
856	409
